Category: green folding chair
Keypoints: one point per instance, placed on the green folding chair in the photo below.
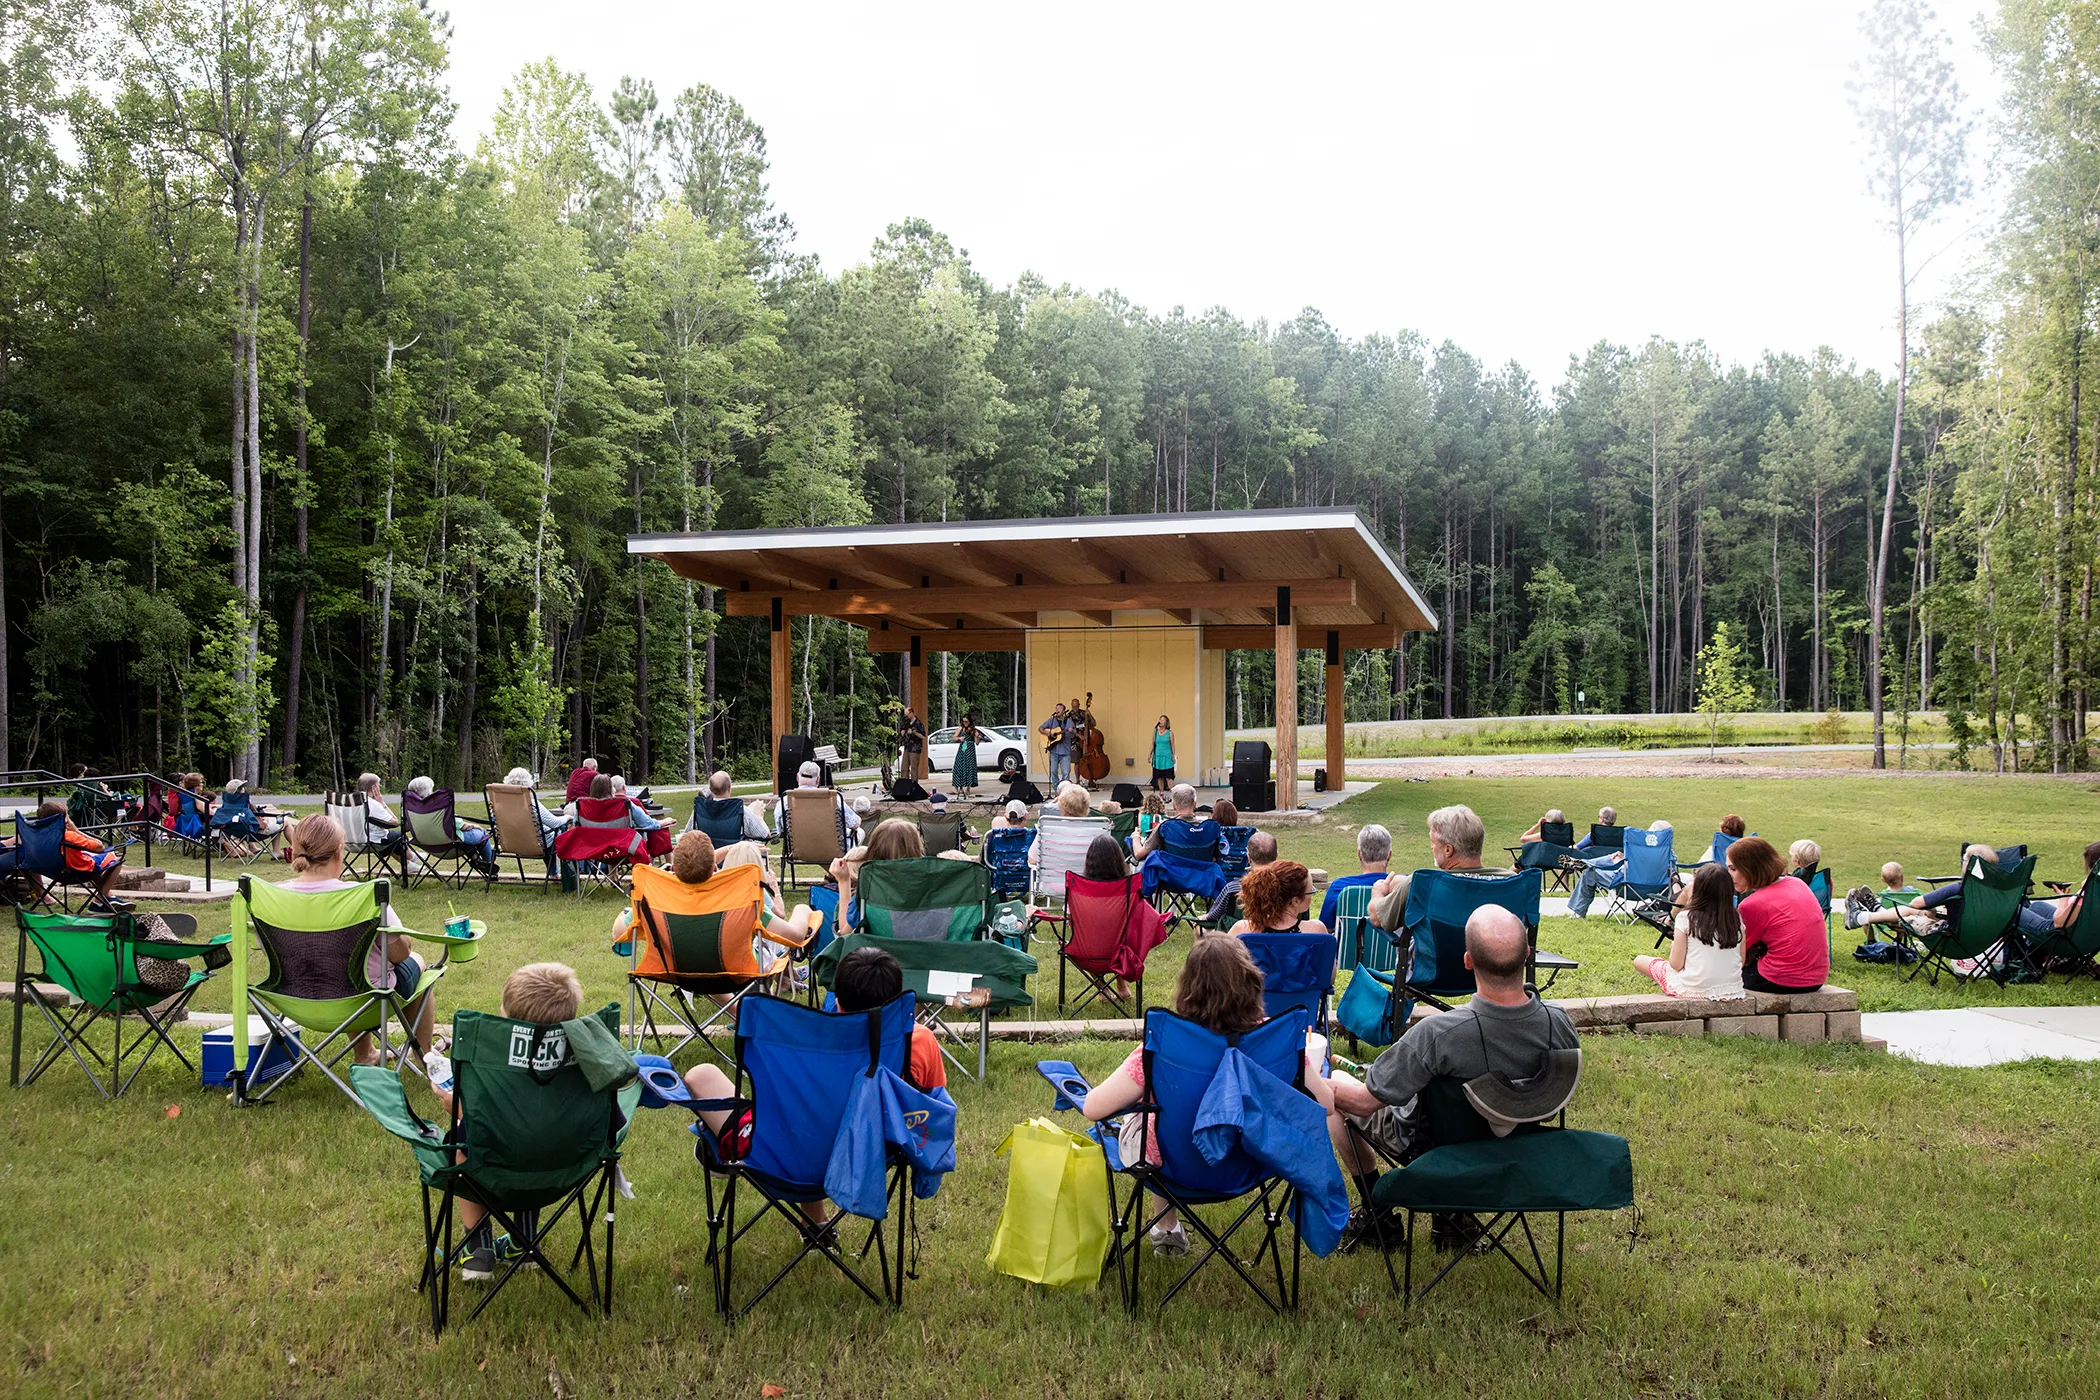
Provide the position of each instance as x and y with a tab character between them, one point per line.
318	952
95	959
2077	944
531	1139
931	967
1985	929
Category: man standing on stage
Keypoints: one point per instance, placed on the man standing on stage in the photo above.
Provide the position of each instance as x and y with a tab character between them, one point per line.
1057	731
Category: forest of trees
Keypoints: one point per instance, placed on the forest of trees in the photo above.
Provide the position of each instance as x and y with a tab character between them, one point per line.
320	437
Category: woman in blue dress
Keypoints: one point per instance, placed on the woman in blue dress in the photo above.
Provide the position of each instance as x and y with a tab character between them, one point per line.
966	737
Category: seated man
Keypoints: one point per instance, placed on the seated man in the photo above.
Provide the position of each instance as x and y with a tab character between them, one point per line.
1553	814
1505	1027
1374	852
1183	833
1601	874
719	786
1606	816
1456	838
580	780
1261	851
642	820
809	775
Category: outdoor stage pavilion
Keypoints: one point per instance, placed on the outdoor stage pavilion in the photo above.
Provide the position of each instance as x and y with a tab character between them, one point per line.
1137	609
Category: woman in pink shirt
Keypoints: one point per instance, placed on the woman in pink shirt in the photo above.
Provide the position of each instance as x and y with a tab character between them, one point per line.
1786	934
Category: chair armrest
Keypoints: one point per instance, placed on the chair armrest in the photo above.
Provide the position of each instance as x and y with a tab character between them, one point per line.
177	952
816	921
465	949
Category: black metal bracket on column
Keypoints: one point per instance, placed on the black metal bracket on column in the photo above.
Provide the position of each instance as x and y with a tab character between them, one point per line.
1334	647
779	617
1283	606
916	658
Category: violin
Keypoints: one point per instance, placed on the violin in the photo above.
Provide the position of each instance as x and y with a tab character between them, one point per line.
1092	758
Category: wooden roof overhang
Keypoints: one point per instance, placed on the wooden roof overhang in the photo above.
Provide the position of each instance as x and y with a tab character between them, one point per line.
979	584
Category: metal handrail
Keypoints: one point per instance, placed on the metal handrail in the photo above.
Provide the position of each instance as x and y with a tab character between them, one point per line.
42	781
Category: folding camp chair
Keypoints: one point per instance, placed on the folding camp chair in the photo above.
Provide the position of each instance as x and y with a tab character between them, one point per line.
1439	902
95	960
323	973
1554	852
941	831
1185	870
515	831
1985	929
2075	946
1649	873
1123	825
531	1141
366	848
1352	916
238	829
942	975
947	904
1297	972
1180	1059
42	879
192	821
603	843
435	848
798	1075
1006	855
1061	845
720	819
1606	838
694	941
1537	1168
812	829
1108	932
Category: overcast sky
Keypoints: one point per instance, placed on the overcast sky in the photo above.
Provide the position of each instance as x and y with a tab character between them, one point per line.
1523	178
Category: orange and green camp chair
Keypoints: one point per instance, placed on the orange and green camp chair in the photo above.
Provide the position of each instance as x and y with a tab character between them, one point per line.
95	959
325	971
692	941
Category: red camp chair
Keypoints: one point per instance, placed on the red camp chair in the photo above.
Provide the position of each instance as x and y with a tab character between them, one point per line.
1108	931
604	842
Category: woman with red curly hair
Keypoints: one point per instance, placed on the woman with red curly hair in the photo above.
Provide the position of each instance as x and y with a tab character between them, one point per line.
1277	897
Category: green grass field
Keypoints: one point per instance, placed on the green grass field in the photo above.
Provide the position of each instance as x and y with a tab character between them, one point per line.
1816	1220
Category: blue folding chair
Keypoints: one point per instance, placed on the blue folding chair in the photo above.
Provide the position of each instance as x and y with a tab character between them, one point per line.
1006	852
1185	869
1232	849
1438	904
798	1078
1722	841
39	865
1649	872
1180	1059
238	828
1297	972
192	820
720	819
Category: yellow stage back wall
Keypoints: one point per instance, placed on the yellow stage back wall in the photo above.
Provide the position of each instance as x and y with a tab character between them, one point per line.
1136	674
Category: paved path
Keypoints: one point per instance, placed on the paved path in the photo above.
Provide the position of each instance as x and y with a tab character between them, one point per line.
1992	1036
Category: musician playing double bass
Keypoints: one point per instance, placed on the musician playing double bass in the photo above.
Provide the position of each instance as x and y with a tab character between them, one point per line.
1089	747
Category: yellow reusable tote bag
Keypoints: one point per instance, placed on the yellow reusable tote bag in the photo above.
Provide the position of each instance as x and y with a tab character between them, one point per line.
1054	1228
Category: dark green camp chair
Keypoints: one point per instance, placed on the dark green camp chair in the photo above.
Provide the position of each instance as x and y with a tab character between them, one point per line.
95	959
996	968
1538	1168
1123	825
947	903
317	947
1985	928
2077	943
532	1139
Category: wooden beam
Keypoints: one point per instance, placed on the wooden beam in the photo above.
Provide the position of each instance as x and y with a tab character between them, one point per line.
1285	643
1221	637
940	602
969	639
1111	566
1337	750
783	672
1213	567
1099	619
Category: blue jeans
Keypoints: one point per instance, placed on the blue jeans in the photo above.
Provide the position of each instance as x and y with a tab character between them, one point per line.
1060	768
1598	875
2037	920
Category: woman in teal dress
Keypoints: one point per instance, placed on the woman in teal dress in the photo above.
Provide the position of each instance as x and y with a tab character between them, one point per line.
966	737
1162	754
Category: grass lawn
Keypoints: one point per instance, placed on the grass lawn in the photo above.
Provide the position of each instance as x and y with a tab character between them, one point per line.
1816	1220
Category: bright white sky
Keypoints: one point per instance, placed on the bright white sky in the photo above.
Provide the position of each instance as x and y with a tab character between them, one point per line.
1523	178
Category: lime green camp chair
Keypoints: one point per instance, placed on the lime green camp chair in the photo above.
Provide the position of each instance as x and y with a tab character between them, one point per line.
94	959
531	1139
318	954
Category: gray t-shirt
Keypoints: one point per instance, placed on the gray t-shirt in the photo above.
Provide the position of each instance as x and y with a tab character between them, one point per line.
1467	1043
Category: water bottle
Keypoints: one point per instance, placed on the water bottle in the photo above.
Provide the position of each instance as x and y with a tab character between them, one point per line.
439	1067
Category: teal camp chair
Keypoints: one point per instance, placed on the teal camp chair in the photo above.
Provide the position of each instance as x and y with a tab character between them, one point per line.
95	959
532	1139
1986	929
316	947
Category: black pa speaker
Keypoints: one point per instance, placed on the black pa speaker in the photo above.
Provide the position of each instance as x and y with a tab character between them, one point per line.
1319	780
1250	762
1254	797
796	750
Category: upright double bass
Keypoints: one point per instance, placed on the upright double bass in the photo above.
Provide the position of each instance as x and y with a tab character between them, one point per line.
1090	750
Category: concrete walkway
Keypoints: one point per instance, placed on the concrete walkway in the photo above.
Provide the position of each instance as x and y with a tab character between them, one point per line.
1994	1036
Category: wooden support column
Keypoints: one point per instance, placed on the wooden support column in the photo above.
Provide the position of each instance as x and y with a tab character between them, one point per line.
1286	704
1337	753
783	680
918	685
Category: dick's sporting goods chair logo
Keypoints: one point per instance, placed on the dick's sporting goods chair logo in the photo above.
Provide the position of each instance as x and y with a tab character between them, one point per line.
553	1051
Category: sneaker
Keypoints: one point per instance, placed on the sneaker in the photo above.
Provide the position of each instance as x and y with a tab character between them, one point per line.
507	1250
480	1264
1453	1233
1172	1243
1859	901
1373	1229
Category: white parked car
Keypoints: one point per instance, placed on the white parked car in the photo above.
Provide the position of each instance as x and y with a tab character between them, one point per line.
1002	754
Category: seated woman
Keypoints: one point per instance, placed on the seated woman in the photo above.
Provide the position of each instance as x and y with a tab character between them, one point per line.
314	846
893	839
480	847
1276	898
1703	960
88	856
1734	828
1553	814
1786	942
550	823
1219	989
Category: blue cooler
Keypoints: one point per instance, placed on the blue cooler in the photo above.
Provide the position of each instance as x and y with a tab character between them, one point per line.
272	1057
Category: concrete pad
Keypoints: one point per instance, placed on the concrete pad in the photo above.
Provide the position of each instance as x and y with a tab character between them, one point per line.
1975	1038
2081	1021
